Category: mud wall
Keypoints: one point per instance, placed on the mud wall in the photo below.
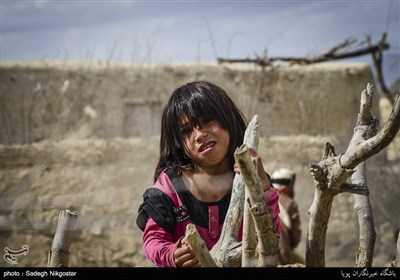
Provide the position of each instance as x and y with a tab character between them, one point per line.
85	136
45	100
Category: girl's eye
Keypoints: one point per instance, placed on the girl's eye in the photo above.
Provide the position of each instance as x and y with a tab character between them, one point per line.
186	131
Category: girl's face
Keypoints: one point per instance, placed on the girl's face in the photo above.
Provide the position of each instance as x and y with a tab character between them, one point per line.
207	144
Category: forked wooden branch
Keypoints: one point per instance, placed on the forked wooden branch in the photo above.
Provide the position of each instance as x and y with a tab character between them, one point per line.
264	225
227	252
331	173
366	127
358	151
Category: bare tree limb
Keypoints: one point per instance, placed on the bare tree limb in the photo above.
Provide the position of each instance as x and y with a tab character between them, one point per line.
374	144
377	60
267	239
366	127
367	235
198	247
330	55
355	188
397	261
249	243
227	251
331	173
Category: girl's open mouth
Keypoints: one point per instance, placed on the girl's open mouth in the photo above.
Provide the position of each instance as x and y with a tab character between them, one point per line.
207	146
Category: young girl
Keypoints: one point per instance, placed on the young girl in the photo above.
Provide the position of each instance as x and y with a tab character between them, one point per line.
200	129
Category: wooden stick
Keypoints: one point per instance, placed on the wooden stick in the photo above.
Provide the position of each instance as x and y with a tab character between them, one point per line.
249	243
363	208
365	128
267	239
397	261
198	247
358	152
59	254
226	251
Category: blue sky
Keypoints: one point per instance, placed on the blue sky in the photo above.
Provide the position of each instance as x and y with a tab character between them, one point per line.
192	31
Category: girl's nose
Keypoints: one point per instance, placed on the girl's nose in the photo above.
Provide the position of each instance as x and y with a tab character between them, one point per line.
199	132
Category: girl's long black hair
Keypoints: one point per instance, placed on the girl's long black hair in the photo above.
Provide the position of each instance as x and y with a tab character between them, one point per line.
195	100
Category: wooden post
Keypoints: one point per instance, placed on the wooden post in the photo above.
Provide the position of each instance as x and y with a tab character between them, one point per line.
58	254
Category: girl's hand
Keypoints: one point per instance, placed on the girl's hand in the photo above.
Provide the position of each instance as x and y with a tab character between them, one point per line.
265	183
184	257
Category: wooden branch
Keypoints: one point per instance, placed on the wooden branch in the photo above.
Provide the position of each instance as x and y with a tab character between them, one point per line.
226	251
333	50
355	189
397	261
267	239
198	247
319	212
331	55
367	235
365	149
330	176
249	243
365	128
59	253
377	60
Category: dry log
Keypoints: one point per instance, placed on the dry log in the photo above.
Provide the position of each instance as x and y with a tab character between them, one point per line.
59	252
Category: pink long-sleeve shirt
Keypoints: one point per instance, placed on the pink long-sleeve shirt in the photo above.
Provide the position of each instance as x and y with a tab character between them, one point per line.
159	243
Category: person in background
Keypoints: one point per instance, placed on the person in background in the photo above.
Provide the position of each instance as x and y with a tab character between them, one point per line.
200	129
284	181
